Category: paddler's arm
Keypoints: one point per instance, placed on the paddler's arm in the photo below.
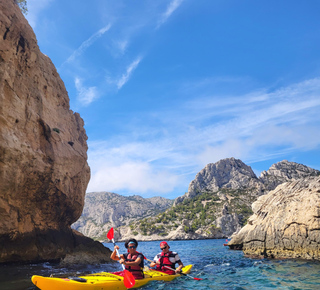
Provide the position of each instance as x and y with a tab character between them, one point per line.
152	264
133	263
114	254
178	270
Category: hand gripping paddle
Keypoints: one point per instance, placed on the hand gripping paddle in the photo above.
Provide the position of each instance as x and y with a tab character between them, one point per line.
128	279
194	278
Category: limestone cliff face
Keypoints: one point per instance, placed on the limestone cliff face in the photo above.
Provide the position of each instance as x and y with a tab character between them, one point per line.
231	173
284	171
43	150
285	223
228	173
104	210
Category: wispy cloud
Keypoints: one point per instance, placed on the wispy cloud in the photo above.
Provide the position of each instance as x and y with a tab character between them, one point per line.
121	46
173	5
260	125
130	69
85	95
87	43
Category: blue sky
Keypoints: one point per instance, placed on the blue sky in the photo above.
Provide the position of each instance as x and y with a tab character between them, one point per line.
166	87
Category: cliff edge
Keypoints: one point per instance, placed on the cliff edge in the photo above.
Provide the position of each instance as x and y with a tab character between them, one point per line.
43	150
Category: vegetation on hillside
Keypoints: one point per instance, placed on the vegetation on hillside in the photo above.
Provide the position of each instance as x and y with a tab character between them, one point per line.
199	211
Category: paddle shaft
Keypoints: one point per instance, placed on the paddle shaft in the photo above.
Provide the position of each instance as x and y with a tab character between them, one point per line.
123	267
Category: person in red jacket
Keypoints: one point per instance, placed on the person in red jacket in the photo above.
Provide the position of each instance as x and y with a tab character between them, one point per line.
166	260
133	260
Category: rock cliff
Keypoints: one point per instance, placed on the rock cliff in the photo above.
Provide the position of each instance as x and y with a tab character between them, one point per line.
228	173
285	223
231	173
43	150
284	171
104	210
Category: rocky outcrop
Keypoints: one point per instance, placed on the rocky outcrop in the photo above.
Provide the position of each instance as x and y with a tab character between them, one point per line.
231	173
284	171
285	223
228	173
104	210
43	150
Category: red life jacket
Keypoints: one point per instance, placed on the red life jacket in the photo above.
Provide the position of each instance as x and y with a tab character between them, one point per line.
165	261
137	271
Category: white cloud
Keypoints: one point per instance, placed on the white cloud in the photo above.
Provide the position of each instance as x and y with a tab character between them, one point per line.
85	95
174	4
130	69
137	177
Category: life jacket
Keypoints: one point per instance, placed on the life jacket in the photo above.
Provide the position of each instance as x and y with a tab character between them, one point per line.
165	261
137	271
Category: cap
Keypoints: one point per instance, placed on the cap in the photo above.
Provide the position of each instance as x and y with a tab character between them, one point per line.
163	244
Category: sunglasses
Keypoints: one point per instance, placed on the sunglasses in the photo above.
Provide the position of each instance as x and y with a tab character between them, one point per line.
163	248
132	247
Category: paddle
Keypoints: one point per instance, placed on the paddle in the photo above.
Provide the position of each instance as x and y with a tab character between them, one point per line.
128	278
194	278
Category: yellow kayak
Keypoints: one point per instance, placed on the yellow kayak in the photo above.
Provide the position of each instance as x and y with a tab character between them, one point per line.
100	281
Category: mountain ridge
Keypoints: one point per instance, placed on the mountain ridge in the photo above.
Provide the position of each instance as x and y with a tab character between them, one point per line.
104	210
217	204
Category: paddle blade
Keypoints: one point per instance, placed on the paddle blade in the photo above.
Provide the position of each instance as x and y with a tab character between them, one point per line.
128	279
110	234
197	278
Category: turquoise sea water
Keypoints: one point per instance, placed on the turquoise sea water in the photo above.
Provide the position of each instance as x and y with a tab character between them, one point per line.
219	267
